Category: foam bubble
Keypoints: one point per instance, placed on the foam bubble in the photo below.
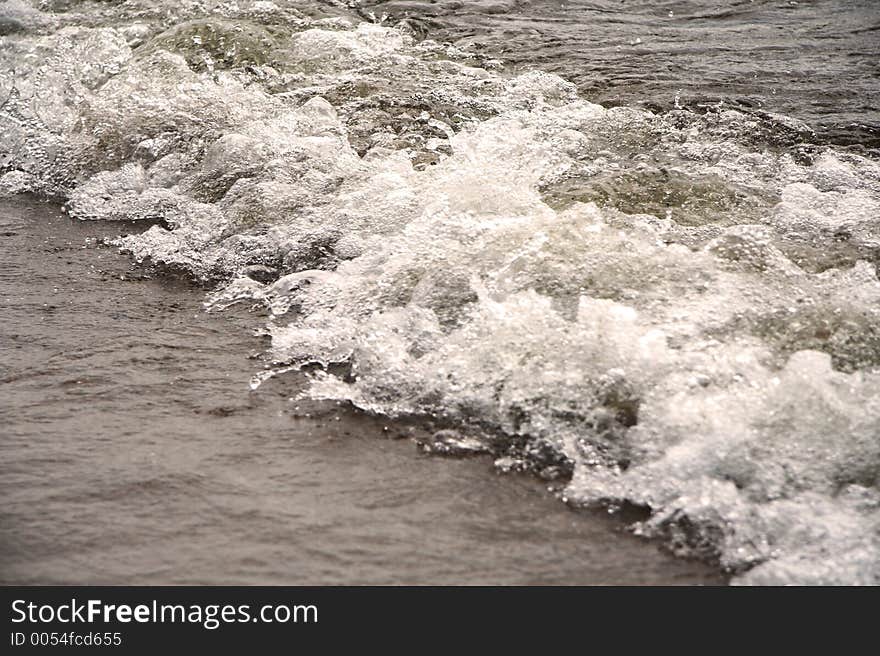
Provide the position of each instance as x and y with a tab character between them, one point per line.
649	305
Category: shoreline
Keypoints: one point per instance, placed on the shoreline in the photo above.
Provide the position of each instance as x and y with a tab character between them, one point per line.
342	499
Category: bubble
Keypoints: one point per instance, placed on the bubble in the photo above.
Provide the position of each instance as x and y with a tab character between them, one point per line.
664	310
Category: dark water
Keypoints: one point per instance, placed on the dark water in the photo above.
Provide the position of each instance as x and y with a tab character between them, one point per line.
814	60
133	452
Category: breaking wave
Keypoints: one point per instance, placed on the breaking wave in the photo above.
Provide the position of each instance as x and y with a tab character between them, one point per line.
669	310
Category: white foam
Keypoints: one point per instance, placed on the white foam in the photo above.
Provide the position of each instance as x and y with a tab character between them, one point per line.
685	322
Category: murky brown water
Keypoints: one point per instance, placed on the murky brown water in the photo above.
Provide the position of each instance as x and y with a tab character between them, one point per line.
133	452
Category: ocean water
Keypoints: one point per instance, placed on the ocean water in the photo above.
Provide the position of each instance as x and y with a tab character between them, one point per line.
133	453
630	248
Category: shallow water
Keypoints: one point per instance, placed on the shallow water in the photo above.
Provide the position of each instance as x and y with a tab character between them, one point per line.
667	301
133	452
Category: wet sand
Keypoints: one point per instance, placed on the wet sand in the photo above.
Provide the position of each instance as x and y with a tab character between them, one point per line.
133	452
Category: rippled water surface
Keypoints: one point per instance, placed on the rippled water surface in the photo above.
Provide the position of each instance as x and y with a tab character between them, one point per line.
629	249
816	60
133	453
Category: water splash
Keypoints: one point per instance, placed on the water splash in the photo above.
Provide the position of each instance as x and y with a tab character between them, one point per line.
655	307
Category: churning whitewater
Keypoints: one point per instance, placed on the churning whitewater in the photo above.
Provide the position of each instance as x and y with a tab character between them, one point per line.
676	310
